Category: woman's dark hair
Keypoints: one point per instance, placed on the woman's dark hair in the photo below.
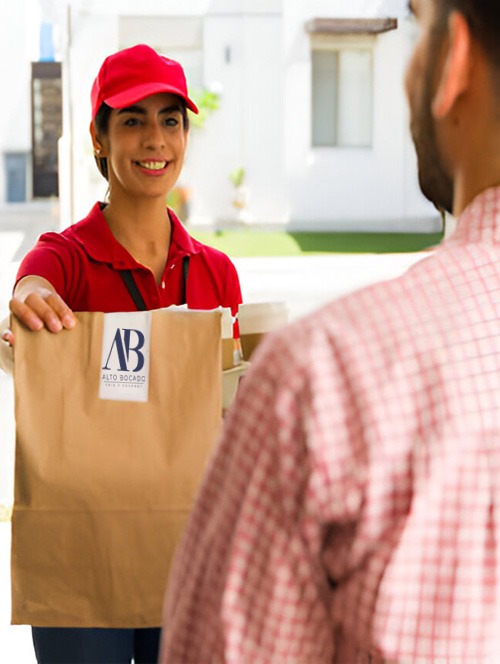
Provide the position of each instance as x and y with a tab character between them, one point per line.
101	123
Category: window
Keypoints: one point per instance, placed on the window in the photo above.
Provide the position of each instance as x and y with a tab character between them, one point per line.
342	93
342	79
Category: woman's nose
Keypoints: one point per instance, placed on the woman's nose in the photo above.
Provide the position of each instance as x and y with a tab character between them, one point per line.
154	134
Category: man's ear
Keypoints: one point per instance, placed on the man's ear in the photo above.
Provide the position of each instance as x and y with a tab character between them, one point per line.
455	75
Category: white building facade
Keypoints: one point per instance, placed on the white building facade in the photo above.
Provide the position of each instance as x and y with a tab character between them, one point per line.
311	106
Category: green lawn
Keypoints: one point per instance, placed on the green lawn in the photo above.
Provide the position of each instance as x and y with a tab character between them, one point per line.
244	242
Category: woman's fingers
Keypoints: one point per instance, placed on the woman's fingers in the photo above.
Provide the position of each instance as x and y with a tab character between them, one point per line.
51	309
25	314
43	308
7	352
8	337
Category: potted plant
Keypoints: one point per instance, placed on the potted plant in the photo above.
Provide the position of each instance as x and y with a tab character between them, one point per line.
240	194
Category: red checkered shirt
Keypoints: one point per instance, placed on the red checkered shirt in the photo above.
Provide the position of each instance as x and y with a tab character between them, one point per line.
350	512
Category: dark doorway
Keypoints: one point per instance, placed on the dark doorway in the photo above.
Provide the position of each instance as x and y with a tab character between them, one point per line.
46	126
15	169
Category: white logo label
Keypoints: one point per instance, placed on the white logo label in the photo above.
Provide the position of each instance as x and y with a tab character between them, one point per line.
125	356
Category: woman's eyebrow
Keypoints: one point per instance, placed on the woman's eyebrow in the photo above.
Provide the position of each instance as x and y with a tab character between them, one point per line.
136	108
174	108
131	109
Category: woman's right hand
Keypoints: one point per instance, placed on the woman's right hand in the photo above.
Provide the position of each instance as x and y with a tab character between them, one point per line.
6	354
36	304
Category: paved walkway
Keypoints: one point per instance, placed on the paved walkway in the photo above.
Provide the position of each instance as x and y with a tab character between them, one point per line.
302	282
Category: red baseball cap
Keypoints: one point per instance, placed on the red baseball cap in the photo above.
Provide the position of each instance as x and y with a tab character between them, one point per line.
134	73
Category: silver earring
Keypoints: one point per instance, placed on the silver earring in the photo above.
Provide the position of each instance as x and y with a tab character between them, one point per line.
97	152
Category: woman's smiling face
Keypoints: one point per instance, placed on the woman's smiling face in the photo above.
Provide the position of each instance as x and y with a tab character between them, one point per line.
145	146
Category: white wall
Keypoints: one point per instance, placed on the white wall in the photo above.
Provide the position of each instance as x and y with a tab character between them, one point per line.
341	188
92	38
19	46
243	60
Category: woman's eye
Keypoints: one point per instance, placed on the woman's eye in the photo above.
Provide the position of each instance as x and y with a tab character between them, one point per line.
131	122
171	122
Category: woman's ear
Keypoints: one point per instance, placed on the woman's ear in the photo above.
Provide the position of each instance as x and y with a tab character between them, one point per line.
98	151
456	72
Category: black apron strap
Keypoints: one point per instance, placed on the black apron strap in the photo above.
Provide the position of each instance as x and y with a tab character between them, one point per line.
133	290
135	293
185	270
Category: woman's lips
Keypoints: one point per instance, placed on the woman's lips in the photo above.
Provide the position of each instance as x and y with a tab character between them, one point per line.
152	165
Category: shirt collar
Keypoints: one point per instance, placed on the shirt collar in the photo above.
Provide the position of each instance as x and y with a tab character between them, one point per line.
180	237
480	221
94	235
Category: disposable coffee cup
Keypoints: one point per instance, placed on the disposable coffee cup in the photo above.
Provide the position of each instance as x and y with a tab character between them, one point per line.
255	319
227	339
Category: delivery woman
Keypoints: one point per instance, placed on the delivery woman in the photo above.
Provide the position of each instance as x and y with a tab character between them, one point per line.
130	252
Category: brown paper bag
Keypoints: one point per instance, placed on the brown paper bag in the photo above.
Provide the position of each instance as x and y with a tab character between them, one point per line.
103	487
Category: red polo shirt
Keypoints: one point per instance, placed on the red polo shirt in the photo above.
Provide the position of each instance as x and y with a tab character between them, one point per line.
83	263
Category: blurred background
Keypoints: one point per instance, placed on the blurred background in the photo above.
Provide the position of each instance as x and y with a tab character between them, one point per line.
304	124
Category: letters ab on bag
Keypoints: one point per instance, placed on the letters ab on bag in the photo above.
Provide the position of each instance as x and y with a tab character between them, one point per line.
125	356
